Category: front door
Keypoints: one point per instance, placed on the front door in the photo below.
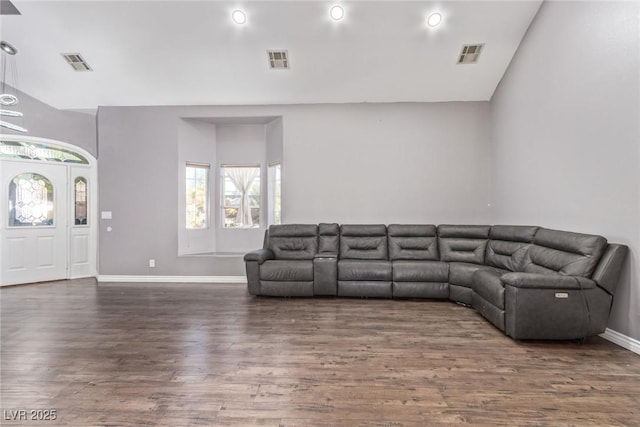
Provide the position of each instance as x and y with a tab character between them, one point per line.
34	203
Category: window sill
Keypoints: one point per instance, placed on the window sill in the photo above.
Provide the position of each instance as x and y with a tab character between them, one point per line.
214	255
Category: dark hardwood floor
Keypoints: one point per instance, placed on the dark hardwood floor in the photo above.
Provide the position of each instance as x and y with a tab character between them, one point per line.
205	354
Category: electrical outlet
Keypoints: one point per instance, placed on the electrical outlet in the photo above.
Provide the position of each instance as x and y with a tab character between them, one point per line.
152	263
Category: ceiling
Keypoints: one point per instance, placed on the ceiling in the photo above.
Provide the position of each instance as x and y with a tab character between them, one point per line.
191	53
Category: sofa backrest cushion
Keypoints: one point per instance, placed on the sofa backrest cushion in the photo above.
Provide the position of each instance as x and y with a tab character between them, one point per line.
463	243
508	246
328	238
293	241
564	252
413	242
363	241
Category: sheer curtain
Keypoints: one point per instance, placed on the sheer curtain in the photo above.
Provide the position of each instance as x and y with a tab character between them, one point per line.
242	178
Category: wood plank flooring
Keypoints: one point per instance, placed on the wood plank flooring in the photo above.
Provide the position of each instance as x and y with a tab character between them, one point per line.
211	355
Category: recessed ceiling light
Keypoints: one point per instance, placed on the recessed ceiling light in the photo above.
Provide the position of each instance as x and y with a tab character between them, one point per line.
8	48
434	19
238	17
336	13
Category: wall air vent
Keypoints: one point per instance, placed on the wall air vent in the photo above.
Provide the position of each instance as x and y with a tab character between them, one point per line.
278	59
76	61
470	53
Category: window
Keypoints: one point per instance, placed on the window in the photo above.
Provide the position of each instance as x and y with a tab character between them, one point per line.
35	151
197	196
80	200
275	207
240	196
30	201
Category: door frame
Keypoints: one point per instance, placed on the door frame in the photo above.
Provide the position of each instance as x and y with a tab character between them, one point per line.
92	178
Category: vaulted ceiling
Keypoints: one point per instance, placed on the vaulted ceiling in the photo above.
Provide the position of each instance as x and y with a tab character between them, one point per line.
192	53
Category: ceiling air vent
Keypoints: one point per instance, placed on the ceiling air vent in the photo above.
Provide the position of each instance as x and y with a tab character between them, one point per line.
278	59
76	61
470	53
8	8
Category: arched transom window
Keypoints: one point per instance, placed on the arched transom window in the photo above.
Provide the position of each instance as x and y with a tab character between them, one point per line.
36	151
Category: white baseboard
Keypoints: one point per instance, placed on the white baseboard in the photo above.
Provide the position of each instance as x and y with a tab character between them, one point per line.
622	340
172	279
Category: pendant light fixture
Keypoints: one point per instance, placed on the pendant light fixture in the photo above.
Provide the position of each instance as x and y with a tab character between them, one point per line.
8	101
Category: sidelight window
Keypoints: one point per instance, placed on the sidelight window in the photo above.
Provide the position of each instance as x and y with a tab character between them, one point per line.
80	200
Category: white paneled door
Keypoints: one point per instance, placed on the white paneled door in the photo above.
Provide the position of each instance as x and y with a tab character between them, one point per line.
35	230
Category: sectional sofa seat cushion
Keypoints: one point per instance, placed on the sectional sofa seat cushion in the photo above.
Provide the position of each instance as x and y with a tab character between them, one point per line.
487	285
357	269
425	279
426	271
564	252
461	280
293	241
287	270
461	273
413	242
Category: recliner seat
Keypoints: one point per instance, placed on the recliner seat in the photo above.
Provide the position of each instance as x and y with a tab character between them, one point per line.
415	257
530	282
363	266
284	267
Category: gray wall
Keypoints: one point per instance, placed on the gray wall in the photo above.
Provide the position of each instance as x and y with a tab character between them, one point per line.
273	138
44	121
566	135
386	163
377	163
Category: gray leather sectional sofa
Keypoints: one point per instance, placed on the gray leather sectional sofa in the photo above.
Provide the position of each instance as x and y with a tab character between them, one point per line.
530	282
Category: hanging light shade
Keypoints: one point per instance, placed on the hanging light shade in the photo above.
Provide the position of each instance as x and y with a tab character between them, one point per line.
8	101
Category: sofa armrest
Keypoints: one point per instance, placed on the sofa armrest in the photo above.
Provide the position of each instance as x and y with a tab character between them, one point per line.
260	255
610	266
546	281
323	255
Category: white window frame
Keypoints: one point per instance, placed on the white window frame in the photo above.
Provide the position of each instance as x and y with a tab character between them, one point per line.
207	168
271	192
222	167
